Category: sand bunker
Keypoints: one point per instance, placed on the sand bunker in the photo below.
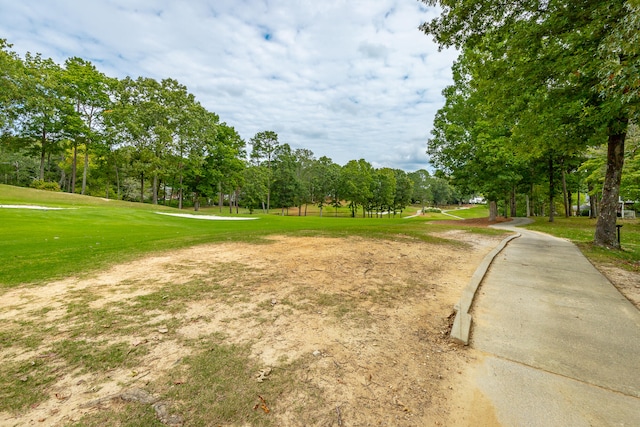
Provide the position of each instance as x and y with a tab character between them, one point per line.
207	217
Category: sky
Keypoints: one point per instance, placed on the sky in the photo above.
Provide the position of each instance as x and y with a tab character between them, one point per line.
346	79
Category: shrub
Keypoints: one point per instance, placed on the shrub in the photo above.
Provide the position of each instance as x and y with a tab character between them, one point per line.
45	185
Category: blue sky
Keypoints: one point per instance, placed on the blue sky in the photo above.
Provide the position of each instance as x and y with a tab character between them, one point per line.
347	79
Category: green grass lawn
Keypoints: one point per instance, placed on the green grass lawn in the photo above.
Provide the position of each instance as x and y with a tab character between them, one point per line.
93	233
581	231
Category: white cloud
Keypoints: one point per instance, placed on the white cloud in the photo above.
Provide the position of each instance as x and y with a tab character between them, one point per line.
346	79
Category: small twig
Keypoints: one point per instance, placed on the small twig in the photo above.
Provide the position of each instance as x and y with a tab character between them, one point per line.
339	416
341	344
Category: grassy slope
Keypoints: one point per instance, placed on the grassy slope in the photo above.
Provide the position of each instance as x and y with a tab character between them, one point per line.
39	245
581	232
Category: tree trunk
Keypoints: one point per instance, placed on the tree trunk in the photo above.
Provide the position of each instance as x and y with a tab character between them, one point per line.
43	154
85	170
142	187
74	163
551	190
565	193
606	226
593	210
155	188
493	210
514	211
269	198
117	181
578	204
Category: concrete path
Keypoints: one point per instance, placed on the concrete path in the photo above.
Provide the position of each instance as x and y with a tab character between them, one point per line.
561	345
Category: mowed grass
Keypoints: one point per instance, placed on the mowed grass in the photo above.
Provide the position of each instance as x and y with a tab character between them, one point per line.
581	231
91	233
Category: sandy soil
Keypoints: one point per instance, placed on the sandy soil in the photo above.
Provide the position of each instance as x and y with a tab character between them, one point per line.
388	361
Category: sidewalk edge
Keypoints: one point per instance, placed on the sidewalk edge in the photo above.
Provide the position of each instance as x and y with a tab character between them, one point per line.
462	321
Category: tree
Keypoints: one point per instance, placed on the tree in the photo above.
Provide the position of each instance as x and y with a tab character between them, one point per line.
264	145
88	90
575	55
356	179
286	187
305	162
403	191
471	142
420	192
226	157
41	112
441	191
325	182
383	187
200	155
11	70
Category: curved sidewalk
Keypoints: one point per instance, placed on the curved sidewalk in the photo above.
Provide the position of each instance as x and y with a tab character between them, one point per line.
561	345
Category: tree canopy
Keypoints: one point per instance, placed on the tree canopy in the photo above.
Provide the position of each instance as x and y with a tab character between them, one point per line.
537	80
146	140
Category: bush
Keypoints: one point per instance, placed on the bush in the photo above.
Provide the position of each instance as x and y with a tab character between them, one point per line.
45	185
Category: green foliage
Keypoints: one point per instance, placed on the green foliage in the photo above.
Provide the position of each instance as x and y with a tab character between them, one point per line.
536	81
141	139
39	184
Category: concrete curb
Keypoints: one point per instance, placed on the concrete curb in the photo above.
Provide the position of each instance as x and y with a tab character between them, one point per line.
462	321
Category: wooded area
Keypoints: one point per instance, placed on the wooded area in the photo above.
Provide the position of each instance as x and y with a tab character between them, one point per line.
545	92
542	111
70	127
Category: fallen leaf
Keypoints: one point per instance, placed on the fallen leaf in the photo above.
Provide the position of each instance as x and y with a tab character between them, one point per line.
262	406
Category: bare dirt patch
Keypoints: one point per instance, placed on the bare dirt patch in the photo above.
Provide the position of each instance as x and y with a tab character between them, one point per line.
367	319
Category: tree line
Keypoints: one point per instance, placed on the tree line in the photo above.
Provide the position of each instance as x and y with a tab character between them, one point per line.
70	127
545	93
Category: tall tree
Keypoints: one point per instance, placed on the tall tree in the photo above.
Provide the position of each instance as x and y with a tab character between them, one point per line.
88	91
286	185
43	113
264	145
254	191
421	192
357	176
11	71
561	50
403	191
383	187
325	182
305	162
